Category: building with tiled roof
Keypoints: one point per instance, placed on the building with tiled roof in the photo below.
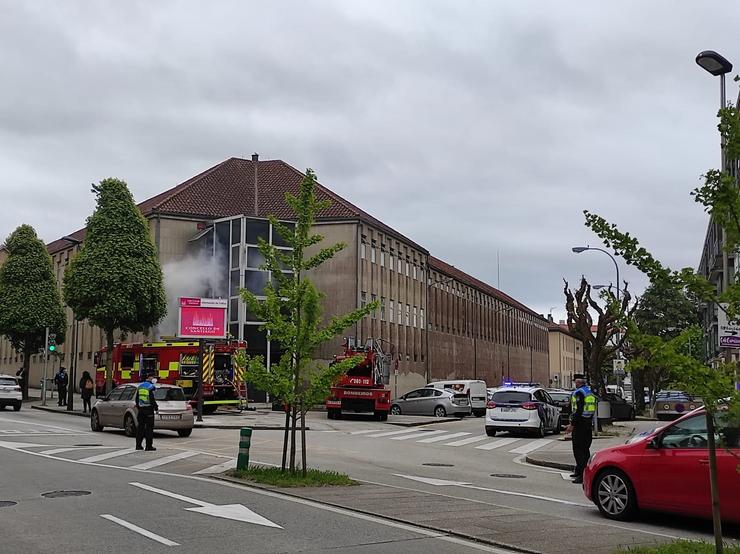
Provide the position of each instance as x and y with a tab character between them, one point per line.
442	322
566	354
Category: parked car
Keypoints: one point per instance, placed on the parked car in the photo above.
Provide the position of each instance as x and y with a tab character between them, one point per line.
561	397
118	409
667	470
10	392
432	401
621	409
670	404
522	409
475	389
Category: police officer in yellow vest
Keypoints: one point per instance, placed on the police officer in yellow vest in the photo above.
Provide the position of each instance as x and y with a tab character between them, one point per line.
146	405
583	409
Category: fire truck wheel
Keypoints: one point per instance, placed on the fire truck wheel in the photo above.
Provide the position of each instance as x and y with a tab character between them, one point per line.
129	426
184	432
395	409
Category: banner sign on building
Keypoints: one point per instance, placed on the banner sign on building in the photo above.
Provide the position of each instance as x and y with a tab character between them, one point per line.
202	318
729	334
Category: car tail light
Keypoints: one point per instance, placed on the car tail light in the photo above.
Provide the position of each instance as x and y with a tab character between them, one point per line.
529	405
16	388
189	407
491	405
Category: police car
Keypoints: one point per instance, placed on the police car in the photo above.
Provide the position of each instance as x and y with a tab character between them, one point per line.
522	408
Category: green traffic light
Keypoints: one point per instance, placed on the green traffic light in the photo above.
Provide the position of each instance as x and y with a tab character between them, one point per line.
52	348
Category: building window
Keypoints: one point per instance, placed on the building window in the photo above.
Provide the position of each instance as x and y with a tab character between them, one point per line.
363	299
382	258
415	322
414	271
408	314
372	252
400	313
374	313
382	308
362	250
390	261
408	267
391	314
421	318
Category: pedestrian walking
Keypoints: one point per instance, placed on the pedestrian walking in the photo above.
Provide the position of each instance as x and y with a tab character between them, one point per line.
87	387
146	407
583	408
21	374
61	379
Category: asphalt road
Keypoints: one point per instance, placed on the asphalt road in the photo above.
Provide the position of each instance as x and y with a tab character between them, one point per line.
122	509
466	465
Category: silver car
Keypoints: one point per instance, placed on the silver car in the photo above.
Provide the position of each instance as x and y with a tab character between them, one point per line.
431	401
118	409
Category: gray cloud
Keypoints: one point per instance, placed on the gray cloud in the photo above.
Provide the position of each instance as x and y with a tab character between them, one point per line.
472	127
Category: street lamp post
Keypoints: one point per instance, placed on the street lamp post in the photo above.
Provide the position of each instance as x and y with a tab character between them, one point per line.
75	333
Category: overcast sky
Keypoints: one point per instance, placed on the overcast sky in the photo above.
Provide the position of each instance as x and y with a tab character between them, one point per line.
471	127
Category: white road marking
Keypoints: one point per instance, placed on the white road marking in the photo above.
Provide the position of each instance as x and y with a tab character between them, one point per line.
166	460
24	422
444	437
107	455
140	530
496	444
42	434
565	475
364	431
469	440
237	512
72	448
530	447
218	468
417	435
17	445
391	433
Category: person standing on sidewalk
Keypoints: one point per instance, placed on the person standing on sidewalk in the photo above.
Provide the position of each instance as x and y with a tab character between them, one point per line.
583	408
146	406
61	379
87	386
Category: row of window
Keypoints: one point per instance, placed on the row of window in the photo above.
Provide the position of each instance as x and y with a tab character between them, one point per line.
395	262
411	317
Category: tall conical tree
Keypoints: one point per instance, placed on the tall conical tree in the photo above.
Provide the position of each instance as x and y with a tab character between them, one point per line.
115	281
29	296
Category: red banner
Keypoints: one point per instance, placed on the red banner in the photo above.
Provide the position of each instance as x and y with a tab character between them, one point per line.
202	318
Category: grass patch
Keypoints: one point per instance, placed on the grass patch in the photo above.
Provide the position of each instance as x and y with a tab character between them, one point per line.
679	547
273	476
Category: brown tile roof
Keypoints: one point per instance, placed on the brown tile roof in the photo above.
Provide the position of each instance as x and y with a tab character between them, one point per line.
227	189
559	327
451	271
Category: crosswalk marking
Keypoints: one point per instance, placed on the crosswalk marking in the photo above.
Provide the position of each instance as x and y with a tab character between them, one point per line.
469	440
364	431
166	460
417	435
496	444
534	445
218	468
107	455
72	449
444	437
391	433
565	475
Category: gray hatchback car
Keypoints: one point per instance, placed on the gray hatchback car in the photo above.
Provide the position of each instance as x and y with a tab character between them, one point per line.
431	401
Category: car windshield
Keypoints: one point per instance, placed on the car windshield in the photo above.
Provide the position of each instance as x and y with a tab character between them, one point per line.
7	381
511	396
560	396
169	393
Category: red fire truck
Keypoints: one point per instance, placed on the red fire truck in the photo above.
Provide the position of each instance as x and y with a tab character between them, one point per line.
364	388
177	362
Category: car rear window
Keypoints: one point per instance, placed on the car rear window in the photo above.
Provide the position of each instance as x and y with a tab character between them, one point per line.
511	396
8	381
169	394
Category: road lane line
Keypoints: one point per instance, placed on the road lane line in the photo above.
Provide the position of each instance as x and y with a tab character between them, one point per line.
106	456
496	444
73	448
218	468
171	494
417	435
469	440
39	424
444	437
364	431
140	530
166	460
391	433
530	447
41	434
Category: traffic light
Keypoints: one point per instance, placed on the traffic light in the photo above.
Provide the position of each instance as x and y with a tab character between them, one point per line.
52	343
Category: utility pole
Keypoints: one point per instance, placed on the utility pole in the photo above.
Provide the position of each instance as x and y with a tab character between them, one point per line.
46	361
200	381
72	367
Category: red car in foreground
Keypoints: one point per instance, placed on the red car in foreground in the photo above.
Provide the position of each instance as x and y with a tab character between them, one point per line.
667	470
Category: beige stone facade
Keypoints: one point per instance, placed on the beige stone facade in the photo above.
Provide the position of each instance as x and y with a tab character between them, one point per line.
566	355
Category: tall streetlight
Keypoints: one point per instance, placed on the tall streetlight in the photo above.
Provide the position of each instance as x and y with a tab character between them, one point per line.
579	249
75	333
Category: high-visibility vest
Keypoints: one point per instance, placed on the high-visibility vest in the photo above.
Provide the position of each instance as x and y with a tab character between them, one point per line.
589	401
144	392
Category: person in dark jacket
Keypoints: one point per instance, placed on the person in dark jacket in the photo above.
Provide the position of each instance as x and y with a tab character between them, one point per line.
146	406
61	379
87	387
583	410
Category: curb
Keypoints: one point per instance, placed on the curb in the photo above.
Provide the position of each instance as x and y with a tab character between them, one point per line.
548	463
55	411
395	519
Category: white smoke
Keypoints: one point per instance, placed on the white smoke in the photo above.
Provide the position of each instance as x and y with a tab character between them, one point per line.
195	276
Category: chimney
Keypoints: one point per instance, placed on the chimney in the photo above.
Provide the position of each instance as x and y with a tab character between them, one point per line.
255	162
550	319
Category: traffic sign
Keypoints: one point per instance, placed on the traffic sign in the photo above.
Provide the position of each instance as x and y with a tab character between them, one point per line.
729	333
618	366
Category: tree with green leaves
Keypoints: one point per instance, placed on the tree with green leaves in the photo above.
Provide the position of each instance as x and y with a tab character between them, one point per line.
292	315
115	281
29	297
715	383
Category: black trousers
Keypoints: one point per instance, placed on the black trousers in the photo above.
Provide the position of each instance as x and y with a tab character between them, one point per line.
86	401
62	389
145	427
582	437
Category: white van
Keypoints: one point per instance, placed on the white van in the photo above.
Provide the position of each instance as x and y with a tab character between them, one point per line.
475	389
